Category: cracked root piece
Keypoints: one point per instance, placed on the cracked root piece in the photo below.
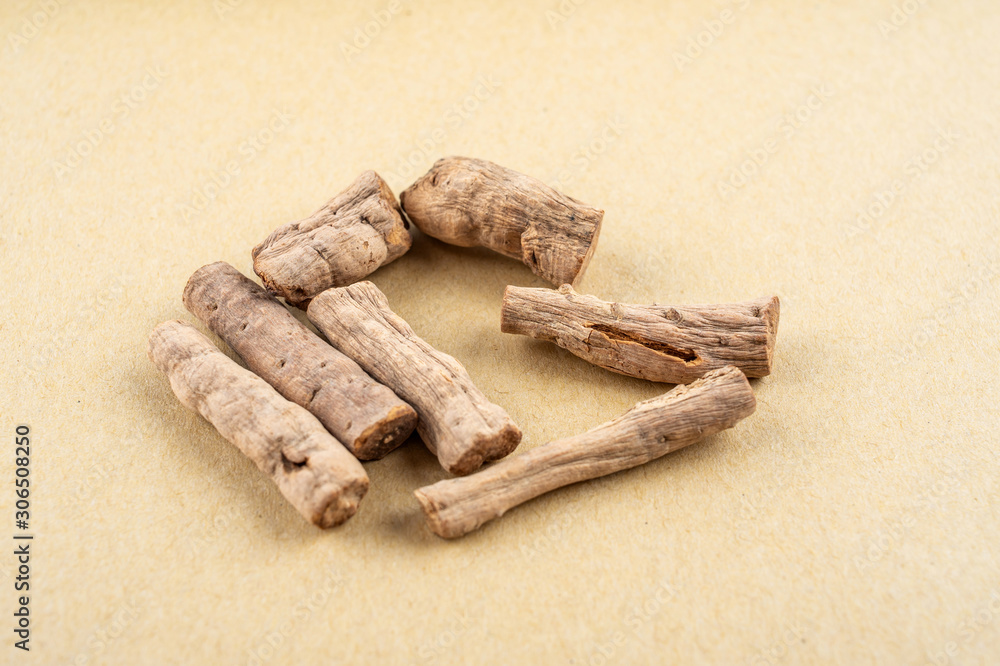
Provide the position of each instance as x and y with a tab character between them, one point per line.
656	342
649	430
457	422
470	202
359	230
321	479
363	414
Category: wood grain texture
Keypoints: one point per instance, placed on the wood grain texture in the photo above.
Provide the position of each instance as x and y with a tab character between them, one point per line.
321	479
661	343
457	422
470	202
649	430
366	416
359	230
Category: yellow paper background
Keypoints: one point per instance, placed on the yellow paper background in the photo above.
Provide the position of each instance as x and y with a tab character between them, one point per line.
853	519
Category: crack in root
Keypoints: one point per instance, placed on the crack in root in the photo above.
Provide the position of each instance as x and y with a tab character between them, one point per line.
612	333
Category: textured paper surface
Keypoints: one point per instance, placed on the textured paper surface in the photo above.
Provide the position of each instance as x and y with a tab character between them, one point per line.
853	519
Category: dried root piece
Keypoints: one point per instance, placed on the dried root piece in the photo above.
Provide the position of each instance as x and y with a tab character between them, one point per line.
457	422
471	202
649	430
359	230
363	414
656	342
312	469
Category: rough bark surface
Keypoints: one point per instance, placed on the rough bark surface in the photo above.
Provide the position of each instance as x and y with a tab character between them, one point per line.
366	416
457	422
470	202
321	479
359	230
662	343
649	430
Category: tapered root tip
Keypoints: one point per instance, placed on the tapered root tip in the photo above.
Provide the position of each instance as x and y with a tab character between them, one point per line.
485	448
585	260
432	512
383	437
342	504
505	325
770	314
